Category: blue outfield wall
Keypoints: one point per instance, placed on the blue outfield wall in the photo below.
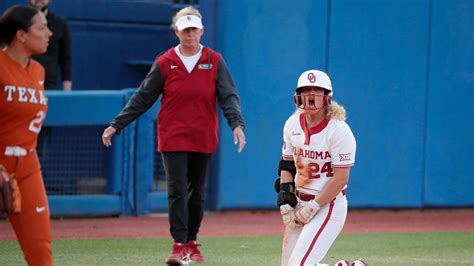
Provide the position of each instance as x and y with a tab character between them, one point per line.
264	54
448	177
378	64
403	69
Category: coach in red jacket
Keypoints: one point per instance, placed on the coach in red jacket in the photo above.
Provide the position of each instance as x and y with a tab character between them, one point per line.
189	77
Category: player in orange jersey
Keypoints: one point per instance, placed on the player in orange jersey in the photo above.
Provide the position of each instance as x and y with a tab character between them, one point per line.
23	105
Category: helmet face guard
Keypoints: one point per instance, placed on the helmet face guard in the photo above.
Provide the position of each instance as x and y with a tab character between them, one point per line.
301	101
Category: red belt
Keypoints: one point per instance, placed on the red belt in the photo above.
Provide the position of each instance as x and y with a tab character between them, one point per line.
307	197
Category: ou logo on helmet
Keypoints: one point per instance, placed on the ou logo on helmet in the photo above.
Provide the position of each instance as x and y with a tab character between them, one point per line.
311	77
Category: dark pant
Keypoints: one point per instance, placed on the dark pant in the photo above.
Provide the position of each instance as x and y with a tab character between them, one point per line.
186	173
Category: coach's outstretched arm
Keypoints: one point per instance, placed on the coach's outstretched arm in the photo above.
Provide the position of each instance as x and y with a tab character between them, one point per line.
141	101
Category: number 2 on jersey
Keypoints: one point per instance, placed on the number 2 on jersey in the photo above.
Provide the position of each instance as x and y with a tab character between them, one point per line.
315	173
37	122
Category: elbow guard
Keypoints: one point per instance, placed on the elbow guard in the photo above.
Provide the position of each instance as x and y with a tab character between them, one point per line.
287	166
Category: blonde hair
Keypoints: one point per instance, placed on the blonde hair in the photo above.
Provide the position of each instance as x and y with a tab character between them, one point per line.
189	10
333	111
336	111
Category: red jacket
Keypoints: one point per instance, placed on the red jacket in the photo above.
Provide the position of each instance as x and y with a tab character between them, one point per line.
187	120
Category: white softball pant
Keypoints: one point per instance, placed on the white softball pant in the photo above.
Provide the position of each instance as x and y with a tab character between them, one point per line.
307	245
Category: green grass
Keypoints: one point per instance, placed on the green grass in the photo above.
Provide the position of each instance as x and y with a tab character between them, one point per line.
376	249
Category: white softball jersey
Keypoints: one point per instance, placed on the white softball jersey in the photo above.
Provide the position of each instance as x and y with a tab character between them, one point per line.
321	148
316	151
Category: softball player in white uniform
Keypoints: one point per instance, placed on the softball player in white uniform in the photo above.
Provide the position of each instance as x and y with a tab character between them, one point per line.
322	147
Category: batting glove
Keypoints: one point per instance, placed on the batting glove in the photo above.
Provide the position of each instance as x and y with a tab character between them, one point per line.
307	212
288	216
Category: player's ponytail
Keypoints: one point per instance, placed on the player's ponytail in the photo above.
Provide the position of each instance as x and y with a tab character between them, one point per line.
336	111
17	17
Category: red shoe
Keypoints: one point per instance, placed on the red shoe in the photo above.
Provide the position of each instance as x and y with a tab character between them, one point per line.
179	256
194	253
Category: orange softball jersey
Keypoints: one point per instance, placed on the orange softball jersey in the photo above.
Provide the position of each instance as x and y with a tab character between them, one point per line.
23	102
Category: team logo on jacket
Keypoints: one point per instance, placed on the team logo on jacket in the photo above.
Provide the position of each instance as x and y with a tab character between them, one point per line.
344	157
205	66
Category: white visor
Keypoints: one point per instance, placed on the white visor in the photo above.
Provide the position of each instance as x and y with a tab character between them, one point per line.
188	21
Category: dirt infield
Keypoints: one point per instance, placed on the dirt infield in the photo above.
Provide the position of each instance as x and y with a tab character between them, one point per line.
256	223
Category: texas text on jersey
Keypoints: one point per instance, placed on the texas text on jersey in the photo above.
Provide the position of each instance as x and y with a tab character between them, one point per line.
23	102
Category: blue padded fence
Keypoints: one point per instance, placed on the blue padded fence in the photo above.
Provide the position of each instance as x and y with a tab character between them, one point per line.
81	176
76	158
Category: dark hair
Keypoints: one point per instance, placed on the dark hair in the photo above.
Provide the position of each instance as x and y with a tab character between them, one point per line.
17	17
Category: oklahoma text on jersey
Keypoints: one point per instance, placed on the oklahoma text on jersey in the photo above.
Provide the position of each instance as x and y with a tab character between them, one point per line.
311	154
